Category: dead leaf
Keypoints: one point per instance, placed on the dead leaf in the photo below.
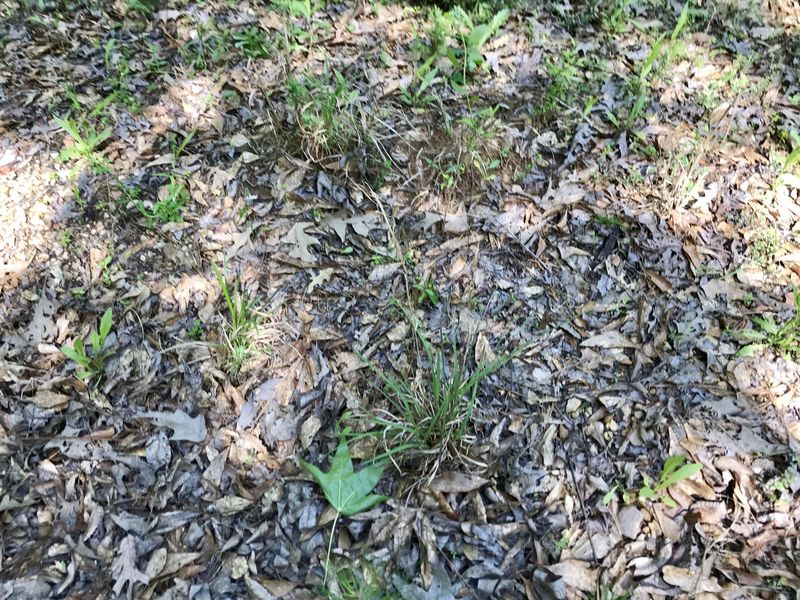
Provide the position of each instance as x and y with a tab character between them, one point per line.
484	354
576	574
238	140
630	521
123	568
230	505
452	482
309	429
320	278
184	427
608	339
301	242
156	563
50	400
661	282
689	580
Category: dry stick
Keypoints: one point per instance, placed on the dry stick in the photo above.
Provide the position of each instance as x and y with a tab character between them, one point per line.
583	506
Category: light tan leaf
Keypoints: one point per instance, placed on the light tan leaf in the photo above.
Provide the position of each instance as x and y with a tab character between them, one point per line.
608	339
451	482
156	563
184	427
658	280
50	399
123	568
238	140
688	580
230	505
318	279
301	241
483	351
576	574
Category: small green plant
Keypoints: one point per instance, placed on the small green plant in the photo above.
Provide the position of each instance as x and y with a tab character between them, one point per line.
208	48
357	580
196	331
145	8
91	364
349	492
417	94
156	65
763	246
431	415
426	291
298	26
611	221
563	541
784	338
617	20
478	147
238	331
325	109
567	86
169	206
107	273
607	593
253	42
455	36
86	142
790	161
118	70
674	470
66	239
641	86
294	8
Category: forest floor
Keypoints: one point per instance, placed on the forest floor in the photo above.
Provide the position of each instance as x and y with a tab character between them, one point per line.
532	269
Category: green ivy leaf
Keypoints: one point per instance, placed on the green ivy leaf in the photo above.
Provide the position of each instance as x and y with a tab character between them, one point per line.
347	491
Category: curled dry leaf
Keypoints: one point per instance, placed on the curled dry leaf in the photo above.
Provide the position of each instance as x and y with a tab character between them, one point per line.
452	482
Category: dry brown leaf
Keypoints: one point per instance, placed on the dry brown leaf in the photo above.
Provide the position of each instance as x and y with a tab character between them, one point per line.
608	339
576	574
689	580
451	482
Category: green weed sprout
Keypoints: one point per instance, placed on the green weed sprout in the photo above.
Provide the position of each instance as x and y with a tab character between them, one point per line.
784	337
85	144
432	416
91	364
243	320
674	470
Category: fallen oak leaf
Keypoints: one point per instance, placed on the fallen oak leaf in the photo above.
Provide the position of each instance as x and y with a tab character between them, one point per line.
301	241
184	427
322	277
124	570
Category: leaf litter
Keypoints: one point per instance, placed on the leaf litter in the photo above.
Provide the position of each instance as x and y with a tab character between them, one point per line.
619	196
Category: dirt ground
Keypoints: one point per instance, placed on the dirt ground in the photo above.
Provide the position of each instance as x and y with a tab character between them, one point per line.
279	202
